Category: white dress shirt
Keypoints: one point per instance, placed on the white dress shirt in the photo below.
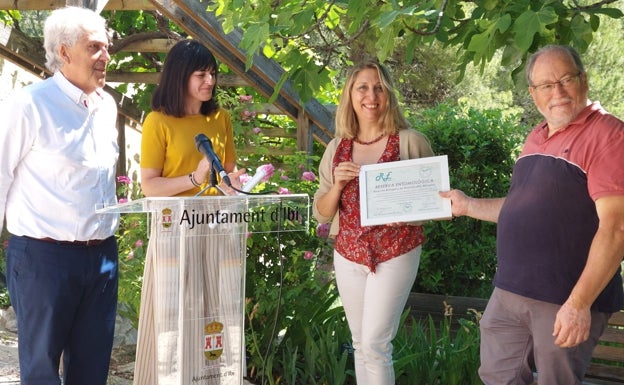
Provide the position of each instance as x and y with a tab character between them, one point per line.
58	155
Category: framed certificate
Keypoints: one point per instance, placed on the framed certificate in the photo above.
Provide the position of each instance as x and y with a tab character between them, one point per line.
404	191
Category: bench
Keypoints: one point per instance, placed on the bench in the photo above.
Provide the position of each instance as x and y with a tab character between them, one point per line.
607	367
608	363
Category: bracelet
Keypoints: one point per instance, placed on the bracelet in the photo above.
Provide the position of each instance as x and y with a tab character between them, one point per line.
192	178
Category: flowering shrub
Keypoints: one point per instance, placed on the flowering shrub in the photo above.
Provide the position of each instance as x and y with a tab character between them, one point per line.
308	176
132	240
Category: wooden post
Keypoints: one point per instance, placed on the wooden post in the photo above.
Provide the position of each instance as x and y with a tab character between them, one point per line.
121	141
303	127
94	5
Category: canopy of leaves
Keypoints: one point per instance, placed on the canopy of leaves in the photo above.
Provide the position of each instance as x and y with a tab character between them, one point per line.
311	38
316	40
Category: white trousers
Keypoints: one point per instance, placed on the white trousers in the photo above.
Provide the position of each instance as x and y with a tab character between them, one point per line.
373	304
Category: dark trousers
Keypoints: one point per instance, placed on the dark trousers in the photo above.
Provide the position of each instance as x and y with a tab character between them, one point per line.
65	300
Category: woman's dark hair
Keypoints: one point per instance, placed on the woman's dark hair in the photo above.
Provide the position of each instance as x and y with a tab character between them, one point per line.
184	58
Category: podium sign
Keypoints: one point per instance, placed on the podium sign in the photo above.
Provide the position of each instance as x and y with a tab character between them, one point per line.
196	252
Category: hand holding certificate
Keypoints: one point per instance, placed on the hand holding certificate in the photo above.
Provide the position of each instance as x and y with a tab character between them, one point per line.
404	191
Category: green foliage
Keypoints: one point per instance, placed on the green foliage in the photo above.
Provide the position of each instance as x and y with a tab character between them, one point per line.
6	18
603	56
132	242
426	353
290	297
29	22
311	38
459	256
308	348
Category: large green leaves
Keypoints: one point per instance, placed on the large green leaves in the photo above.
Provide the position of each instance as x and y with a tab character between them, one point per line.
530	23
312	38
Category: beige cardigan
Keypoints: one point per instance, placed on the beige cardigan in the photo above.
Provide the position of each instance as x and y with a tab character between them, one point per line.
412	144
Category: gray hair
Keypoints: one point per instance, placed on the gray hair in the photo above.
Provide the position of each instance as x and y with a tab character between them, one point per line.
571	52
65	26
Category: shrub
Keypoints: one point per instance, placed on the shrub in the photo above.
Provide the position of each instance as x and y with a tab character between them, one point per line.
427	353
459	256
132	242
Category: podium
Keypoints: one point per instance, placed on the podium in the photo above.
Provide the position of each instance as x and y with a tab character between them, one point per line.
196	259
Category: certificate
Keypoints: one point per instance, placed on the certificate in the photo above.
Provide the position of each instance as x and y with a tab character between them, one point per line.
404	191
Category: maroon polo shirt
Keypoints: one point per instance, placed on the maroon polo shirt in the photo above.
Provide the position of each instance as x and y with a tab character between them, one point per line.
548	221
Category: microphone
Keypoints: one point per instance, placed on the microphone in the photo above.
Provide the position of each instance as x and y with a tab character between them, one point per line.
204	145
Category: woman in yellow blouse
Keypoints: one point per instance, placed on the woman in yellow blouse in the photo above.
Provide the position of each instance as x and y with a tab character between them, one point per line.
182	288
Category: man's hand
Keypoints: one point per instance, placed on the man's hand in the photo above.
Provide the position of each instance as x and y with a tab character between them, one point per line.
459	201
572	325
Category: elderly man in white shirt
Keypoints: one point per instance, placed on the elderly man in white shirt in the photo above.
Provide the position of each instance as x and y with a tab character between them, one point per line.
58	155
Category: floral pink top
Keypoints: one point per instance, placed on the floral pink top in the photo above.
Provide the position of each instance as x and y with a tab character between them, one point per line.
370	245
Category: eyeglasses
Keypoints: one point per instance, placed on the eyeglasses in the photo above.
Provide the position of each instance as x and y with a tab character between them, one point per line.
567	83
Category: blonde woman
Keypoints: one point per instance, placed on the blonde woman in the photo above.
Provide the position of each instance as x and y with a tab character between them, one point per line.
375	266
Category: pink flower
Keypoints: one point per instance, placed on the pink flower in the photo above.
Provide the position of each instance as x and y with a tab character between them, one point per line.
130	255
247	116
245	98
309	176
308	254
268	170
5	244
124	179
123	200
322	230
257	130
138	243
284	177
283	191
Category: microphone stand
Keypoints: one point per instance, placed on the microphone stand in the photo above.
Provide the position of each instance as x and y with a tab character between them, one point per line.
212	183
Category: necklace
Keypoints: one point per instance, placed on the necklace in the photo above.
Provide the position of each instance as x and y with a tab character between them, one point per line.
377	139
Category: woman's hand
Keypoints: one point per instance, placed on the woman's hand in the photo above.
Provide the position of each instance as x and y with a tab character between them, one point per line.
202	172
236	183
344	173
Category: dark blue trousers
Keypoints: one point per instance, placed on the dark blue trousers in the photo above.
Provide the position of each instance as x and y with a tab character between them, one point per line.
65	300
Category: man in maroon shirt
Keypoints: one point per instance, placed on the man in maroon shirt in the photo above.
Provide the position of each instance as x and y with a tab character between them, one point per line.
560	239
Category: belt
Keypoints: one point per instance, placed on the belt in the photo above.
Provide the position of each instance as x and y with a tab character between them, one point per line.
91	242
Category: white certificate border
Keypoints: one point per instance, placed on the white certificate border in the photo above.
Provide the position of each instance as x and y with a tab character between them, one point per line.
444	213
